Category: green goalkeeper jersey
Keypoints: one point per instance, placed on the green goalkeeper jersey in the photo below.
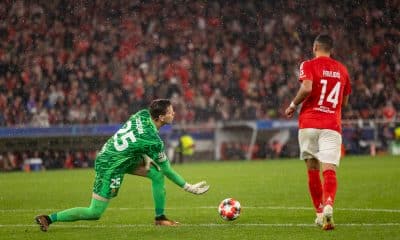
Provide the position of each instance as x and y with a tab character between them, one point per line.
137	136
124	150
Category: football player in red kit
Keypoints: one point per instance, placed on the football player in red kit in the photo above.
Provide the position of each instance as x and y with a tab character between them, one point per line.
325	88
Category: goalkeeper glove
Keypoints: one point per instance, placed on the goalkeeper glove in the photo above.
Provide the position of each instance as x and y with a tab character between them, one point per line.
198	188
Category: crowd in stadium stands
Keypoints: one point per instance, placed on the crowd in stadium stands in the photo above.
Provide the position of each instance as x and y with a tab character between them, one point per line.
83	62
67	62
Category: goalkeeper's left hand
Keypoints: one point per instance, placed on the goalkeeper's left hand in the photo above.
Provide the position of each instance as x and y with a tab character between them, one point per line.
198	188
148	161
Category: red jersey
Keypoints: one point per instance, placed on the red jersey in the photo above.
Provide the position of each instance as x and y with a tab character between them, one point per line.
322	109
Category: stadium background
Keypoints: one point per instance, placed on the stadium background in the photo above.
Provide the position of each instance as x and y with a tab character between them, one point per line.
70	66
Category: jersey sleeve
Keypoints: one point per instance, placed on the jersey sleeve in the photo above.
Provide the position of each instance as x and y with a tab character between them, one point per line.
170	173
157	153
305	72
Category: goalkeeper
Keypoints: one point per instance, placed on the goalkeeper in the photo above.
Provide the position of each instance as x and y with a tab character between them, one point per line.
136	149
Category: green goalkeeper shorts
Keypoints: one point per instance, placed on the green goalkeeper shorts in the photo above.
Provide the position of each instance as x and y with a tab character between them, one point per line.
108	179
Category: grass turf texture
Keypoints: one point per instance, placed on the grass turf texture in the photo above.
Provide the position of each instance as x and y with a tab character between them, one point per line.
273	194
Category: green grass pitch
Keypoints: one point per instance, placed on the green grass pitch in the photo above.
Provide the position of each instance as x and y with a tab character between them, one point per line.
273	194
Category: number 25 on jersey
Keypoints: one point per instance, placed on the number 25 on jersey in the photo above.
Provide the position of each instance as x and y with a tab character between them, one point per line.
123	136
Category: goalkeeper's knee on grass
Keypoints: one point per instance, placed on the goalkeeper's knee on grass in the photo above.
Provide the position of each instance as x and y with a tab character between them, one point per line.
96	209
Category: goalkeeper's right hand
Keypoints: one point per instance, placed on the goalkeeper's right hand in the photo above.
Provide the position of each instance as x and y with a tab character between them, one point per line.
198	188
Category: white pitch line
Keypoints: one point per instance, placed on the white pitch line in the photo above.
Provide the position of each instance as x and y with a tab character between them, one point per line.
213	207
205	225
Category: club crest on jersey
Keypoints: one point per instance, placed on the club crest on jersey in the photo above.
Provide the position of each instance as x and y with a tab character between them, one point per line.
301	70
162	157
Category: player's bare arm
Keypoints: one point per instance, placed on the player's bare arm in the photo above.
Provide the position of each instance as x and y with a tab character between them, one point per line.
345	100
304	91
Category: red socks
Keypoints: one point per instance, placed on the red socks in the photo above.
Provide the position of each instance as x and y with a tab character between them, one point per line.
315	187
330	186
322	195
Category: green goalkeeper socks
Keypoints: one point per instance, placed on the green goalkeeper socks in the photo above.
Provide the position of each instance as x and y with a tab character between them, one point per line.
157	183
93	212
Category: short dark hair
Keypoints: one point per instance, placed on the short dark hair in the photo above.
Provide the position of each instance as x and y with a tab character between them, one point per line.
325	41
159	107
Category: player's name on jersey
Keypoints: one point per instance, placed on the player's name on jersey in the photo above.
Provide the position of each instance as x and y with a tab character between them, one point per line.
139	126
332	74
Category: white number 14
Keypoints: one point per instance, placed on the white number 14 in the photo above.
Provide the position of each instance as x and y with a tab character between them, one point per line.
333	96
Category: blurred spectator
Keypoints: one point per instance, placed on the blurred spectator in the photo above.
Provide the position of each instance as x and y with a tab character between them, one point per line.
185	148
389	112
395	144
385	136
276	148
11	161
233	151
8	162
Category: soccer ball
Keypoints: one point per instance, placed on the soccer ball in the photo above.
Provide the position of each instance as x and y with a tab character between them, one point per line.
229	209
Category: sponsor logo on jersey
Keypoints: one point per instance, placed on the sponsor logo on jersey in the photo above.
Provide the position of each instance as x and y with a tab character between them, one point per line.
323	109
